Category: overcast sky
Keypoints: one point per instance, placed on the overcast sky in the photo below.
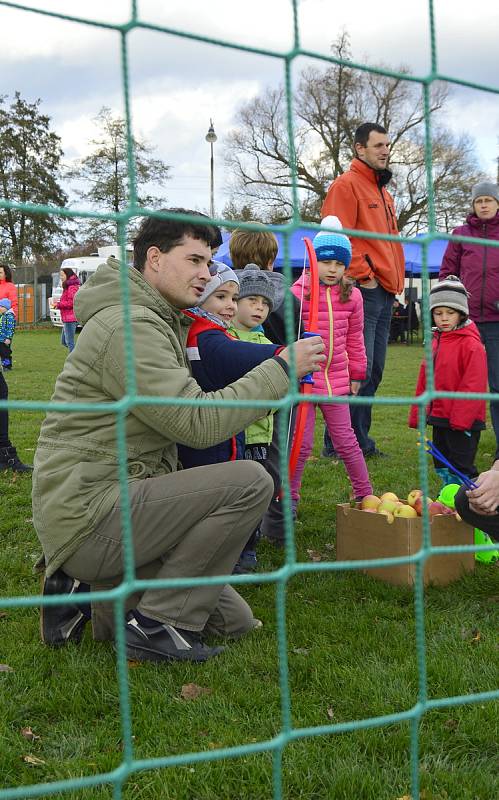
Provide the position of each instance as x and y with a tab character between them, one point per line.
176	85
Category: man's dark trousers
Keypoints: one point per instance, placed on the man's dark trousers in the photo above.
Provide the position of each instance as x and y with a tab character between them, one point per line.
377	318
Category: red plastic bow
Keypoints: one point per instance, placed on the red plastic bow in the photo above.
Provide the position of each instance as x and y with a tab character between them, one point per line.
306	387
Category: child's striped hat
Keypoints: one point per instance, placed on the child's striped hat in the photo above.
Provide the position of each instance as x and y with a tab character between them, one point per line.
329	245
450	293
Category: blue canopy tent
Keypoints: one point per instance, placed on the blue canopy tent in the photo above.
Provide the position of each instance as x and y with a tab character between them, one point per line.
413	253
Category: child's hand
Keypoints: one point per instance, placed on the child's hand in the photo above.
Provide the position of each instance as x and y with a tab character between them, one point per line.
354	387
7	341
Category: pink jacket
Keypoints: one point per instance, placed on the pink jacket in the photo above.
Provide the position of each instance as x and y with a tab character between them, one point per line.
341	327
65	304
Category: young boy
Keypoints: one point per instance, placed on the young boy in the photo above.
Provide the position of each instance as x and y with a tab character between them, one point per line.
256	300
459	365
260	248
217	358
7	328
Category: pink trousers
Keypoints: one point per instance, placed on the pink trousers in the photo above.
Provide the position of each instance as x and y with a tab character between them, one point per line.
337	419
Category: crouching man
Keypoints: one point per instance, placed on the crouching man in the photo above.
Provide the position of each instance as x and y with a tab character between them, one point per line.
192	523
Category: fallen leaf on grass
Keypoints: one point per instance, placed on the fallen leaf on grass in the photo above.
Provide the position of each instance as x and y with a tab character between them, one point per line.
330	713
28	733
472	635
451	724
34	761
132	664
3	614
329	546
5	668
314	555
191	691
405	797
300	651
494	598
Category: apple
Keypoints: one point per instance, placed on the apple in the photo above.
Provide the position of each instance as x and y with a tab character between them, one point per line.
387	505
369	510
405	511
436	508
370	501
389	496
418	505
388	514
413	496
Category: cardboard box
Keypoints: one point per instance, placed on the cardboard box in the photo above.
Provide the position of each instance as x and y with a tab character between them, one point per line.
360	535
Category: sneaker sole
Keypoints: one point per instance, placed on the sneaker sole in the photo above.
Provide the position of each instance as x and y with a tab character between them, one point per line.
138	654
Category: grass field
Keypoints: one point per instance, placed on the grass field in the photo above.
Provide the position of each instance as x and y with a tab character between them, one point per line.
351	651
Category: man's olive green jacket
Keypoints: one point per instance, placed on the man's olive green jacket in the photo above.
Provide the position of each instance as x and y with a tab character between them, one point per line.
75	479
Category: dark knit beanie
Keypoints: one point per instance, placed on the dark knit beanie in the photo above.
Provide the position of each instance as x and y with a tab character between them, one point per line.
450	293
254	281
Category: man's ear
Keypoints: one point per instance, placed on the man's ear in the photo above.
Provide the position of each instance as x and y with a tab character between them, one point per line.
152	257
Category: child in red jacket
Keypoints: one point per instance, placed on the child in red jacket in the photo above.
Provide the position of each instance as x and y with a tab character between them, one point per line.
459	365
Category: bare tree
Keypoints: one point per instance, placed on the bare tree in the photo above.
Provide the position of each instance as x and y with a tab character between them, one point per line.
103	177
328	106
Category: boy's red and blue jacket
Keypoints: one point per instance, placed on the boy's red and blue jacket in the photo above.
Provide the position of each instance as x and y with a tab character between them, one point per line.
216	360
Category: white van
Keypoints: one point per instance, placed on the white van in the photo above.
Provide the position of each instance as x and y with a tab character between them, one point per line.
83	267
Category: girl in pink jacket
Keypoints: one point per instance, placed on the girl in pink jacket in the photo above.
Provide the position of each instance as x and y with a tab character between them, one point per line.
341	322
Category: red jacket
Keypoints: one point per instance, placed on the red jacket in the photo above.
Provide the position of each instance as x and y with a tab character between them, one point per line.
361	204
9	290
459	365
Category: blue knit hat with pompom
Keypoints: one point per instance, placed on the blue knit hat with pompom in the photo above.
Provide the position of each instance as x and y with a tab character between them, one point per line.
329	245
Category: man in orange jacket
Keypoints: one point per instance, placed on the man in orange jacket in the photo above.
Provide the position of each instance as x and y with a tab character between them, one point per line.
361	201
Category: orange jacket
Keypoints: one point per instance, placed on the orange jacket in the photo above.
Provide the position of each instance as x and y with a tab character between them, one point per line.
360	204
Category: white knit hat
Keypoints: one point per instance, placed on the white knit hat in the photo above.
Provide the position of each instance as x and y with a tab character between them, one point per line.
221	274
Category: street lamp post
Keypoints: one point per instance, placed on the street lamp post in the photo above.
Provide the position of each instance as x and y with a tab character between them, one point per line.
211	137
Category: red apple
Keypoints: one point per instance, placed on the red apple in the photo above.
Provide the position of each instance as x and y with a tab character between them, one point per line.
418	505
436	508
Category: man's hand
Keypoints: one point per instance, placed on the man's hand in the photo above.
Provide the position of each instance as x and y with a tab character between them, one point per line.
485	499
309	355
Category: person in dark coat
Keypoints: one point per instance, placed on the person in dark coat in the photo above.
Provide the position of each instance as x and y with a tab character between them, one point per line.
477	266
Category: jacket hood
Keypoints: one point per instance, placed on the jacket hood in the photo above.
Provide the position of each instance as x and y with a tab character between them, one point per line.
103	290
474	222
468	328
73	280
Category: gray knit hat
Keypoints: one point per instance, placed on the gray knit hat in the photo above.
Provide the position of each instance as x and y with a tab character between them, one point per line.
254	281
485	189
450	293
221	274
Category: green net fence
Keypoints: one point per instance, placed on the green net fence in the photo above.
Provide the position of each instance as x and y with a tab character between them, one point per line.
288	733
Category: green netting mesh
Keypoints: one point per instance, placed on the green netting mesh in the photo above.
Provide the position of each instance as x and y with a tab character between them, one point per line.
282	576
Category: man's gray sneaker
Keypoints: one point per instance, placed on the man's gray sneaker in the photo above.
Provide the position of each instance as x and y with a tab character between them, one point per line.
164	642
62	624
